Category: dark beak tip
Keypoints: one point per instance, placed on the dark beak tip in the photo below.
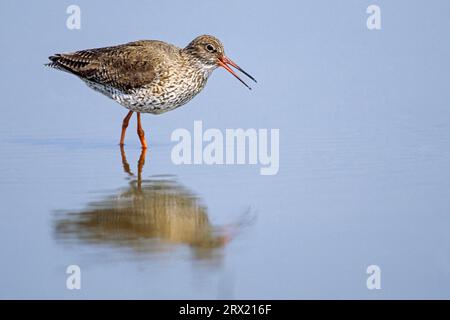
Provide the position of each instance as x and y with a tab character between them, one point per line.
224	63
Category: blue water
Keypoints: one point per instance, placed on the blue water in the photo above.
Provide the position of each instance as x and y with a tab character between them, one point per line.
364	173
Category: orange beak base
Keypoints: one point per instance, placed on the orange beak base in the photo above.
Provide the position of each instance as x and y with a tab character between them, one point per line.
224	62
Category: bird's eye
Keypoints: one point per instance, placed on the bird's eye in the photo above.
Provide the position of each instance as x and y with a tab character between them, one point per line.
210	48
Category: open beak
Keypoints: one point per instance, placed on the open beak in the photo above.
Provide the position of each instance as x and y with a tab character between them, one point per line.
224	62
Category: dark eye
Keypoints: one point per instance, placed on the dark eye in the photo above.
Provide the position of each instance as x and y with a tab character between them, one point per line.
210	48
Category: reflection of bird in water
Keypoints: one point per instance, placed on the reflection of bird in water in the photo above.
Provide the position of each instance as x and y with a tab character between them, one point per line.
149	216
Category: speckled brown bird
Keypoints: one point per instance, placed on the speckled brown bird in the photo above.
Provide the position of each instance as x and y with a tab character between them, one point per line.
148	76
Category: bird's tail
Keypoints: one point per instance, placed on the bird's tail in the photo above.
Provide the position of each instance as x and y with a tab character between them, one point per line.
54	63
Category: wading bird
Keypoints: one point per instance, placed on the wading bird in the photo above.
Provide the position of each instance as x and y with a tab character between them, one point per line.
148	76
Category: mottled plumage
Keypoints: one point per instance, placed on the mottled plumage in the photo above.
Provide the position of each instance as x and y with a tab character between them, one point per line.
147	76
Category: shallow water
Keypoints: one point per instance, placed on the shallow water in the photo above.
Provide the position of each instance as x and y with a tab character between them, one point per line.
364	173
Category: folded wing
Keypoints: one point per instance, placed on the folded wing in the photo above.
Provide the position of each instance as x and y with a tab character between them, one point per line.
124	67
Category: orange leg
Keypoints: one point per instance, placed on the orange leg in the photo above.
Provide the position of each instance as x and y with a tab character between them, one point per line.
141	132
125	122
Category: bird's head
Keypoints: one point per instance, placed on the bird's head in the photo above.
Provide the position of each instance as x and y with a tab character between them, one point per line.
209	51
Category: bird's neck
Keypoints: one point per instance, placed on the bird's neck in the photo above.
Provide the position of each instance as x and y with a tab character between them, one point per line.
197	65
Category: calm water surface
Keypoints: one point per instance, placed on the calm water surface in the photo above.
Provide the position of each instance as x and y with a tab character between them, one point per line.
364	175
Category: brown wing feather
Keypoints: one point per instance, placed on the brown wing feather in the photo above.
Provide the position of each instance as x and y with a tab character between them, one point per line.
125	67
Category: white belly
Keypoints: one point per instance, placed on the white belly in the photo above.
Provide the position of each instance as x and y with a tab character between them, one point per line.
145	100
